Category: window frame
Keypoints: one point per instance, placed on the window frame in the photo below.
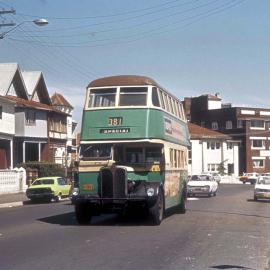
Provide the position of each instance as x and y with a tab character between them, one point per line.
256	127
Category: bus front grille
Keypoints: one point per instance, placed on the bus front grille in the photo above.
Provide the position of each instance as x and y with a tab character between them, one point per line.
113	185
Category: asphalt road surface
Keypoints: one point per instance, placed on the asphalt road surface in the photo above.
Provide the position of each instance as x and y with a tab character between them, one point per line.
229	231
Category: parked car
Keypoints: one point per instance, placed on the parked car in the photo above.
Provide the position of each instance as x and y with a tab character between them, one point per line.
202	184
262	188
249	178
216	176
48	188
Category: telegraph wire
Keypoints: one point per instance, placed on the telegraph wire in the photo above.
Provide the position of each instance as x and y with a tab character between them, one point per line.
151	32
117	20
103	16
136	25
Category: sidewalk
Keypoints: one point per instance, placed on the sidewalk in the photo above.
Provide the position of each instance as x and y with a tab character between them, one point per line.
12	199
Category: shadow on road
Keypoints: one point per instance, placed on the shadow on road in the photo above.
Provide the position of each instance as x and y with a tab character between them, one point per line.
225	266
69	219
259	201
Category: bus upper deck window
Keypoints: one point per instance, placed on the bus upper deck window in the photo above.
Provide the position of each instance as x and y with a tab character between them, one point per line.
102	97
133	96
155	99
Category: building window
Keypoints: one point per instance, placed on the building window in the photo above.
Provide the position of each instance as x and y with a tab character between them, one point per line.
1	112
240	123
215	125
229	145
189	155
257	124
30	116
212	167
213	145
258	143
228	124
258	163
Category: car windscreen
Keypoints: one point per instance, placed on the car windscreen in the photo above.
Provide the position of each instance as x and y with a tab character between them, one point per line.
95	151
43	182
264	181
200	178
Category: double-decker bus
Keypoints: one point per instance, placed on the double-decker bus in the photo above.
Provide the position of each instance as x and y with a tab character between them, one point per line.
133	149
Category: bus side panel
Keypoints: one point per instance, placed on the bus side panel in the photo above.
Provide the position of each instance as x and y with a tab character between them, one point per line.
88	183
146	176
174	184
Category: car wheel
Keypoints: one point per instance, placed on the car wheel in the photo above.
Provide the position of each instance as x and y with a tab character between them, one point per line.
156	212
58	197
83	213
215	194
244	182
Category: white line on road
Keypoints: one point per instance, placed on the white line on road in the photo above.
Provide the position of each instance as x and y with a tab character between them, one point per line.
193	199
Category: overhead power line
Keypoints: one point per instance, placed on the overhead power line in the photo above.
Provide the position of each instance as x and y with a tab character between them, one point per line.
105	16
155	31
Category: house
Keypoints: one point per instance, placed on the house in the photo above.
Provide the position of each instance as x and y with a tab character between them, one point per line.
211	150
7	132
61	104
250	126
40	130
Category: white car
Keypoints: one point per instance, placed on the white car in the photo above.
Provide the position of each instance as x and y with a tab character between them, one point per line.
262	188
249	178
216	176
202	184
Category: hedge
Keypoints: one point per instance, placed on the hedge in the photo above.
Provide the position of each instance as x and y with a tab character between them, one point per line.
45	168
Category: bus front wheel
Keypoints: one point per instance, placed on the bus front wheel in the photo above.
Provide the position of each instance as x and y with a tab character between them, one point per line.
83	213
157	210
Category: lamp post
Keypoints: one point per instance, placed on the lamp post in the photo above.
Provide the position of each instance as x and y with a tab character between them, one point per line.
38	22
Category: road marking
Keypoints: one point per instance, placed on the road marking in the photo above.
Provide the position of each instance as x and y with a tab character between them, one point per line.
193	199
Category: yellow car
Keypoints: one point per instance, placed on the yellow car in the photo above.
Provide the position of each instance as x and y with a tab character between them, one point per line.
48	188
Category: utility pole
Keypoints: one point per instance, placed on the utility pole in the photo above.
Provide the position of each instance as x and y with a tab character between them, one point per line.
6	24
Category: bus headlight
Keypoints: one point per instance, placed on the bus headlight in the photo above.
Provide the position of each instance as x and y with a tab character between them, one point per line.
150	192
75	191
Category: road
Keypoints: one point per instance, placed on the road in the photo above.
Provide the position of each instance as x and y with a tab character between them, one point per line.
229	231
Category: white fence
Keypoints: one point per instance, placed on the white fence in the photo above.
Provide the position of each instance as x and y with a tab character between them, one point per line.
12	181
226	179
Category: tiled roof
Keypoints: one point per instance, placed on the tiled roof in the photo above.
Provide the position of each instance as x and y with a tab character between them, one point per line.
33	104
197	132
58	100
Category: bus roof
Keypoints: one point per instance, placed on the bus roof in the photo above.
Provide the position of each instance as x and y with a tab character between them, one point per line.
122	80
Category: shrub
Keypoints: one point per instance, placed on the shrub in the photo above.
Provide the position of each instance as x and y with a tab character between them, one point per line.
45	168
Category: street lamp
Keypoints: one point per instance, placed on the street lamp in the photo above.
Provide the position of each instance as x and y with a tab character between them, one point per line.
38	22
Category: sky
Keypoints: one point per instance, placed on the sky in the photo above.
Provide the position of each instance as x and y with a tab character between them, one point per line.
190	47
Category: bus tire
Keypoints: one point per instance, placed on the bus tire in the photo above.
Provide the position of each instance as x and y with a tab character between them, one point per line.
156	212
83	213
182	205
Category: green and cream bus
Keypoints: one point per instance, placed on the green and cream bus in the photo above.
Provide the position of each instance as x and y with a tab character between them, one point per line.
133	149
